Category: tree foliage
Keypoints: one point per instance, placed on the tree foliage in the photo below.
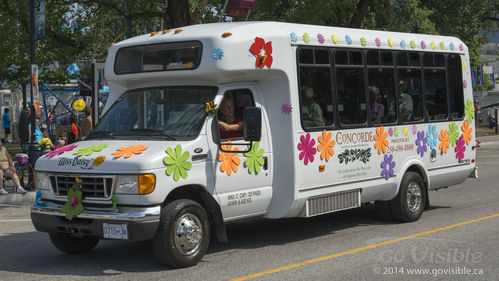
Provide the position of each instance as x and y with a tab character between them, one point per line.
82	30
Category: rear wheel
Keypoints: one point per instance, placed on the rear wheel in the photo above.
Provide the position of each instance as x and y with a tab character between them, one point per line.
183	234
410	202
73	245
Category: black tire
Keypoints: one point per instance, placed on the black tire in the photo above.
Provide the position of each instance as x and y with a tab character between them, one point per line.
188	247
412	185
73	245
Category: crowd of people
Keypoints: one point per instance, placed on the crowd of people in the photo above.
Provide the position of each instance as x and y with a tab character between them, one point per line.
43	143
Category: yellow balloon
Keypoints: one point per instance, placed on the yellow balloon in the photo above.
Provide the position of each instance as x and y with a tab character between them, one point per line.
79	105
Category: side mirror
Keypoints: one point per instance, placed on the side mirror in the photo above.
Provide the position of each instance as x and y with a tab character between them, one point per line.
252	126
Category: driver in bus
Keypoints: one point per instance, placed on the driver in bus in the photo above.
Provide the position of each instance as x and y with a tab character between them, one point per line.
229	126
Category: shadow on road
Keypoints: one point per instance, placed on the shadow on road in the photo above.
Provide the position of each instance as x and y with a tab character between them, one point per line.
33	253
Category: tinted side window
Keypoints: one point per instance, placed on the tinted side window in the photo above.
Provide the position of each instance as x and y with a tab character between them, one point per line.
315	97
435	94
350	94
382	96
456	98
409	95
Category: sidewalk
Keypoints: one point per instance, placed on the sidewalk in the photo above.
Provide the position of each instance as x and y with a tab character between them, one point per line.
17	198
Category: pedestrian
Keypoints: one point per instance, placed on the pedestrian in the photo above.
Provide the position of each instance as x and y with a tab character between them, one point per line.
86	123
6	123
34	153
7	169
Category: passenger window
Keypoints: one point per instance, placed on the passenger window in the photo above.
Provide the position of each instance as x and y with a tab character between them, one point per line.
387	58
230	114
351	98
455	74
414	57
402	59
355	58
382	96
321	56
306	56
436	94
428	60
410	101
372	58
315	97
341	57
439	60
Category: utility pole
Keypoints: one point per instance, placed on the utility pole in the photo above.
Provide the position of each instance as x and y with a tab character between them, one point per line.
32	62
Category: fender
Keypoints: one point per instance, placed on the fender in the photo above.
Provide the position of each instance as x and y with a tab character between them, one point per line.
410	163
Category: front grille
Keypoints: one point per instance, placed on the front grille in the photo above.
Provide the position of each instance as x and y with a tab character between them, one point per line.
91	187
333	202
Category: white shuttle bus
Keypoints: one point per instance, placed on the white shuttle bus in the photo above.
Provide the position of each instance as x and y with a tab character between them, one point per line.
213	123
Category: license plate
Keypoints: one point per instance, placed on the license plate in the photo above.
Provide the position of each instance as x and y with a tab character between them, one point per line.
115	231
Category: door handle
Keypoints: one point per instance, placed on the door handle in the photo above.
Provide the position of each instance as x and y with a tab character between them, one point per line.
265	163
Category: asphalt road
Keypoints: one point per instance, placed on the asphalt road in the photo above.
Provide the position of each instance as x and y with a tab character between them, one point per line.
456	239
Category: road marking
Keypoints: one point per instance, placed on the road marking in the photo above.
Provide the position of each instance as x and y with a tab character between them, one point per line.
15	220
303	263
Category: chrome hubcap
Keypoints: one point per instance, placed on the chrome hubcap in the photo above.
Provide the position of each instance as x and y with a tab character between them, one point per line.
414	197
188	234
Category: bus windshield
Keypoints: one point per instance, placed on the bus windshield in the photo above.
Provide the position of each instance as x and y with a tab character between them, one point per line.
172	113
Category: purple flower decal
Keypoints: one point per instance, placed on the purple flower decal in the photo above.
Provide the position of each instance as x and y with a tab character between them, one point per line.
60	151
421	143
423	45
414	129
460	148
390	132
307	149
320	37
286	108
387	167
378	42
461	47
465	84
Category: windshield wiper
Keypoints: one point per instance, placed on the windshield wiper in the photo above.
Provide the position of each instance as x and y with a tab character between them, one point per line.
152	133
100	134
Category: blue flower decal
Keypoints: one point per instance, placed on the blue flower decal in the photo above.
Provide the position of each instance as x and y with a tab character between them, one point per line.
402	44
349	39
432	136
387	166
421	143
293	37
451	46
217	53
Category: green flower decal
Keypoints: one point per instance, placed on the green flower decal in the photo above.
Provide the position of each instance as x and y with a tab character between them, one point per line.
73	206
363	41
113	199
396	132
453	133
177	162
469	110
255	161
442	46
87	151
413	44
306	38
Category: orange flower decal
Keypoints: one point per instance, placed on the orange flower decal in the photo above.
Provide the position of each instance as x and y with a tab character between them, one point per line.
444	141
229	160
381	143
326	145
129	151
466	131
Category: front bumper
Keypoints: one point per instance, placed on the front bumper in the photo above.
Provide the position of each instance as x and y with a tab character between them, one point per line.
141	222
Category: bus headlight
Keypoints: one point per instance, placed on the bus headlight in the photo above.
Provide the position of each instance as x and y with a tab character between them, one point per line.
42	181
135	184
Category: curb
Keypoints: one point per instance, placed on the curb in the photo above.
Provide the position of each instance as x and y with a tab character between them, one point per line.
18	199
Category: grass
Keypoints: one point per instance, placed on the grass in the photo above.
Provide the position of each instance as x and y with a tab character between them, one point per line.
484	130
13	149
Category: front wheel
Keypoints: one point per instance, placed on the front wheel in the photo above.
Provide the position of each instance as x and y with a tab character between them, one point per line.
183	234
73	245
410	201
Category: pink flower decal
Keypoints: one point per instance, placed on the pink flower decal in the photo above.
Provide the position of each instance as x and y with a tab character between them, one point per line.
378	42
414	129
460	149
263	52
390	132
465	84
423	45
307	149
74	201
320	37
461	47
286	108
60	151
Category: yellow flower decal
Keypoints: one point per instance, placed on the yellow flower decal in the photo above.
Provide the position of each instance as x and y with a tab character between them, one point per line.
78	180
432	44
380	140
405	131
79	105
99	160
464	65
335	39
326	145
390	42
